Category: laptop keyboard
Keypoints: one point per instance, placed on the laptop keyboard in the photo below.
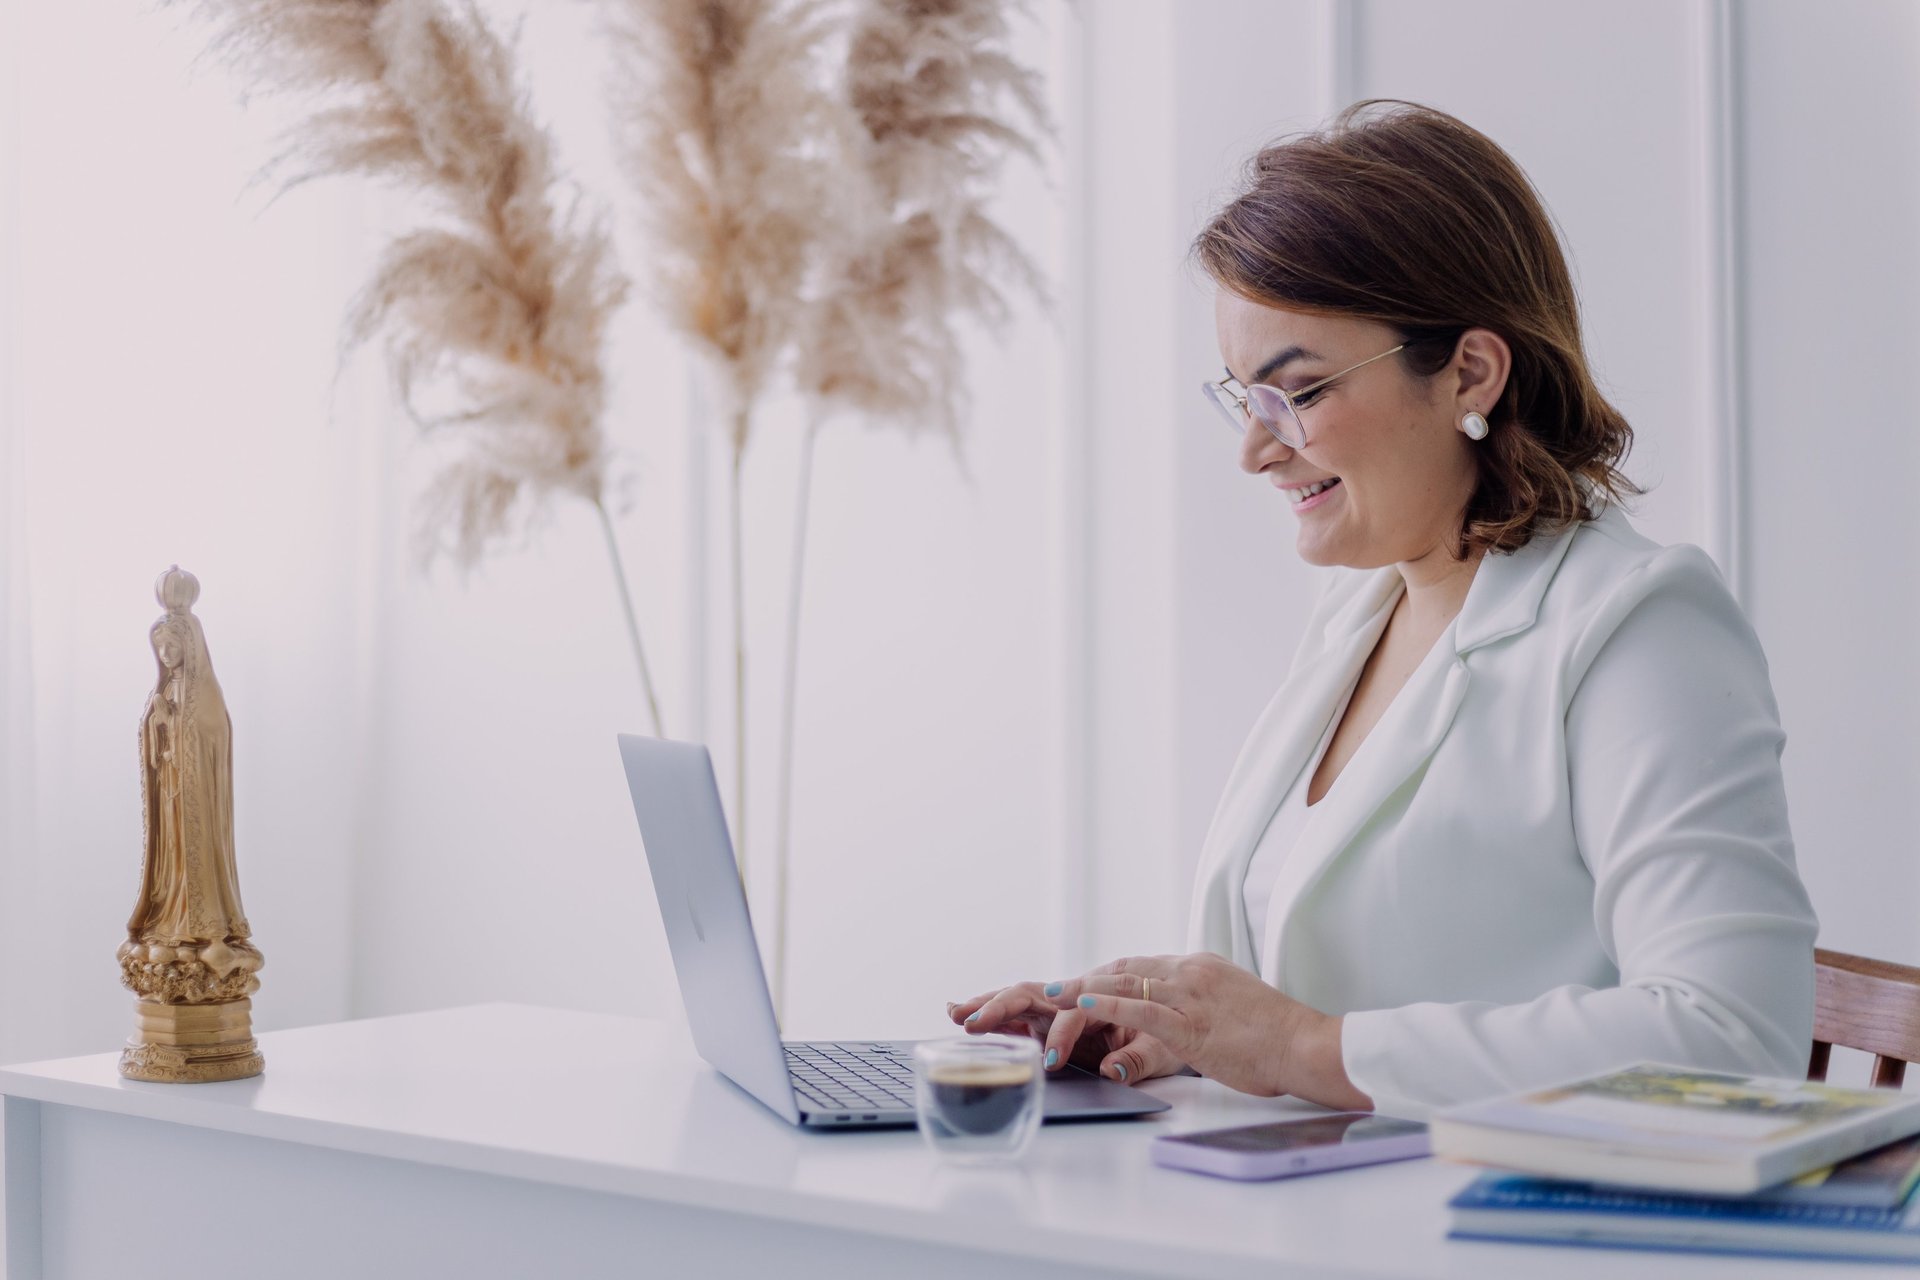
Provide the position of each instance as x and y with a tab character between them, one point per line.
851	1077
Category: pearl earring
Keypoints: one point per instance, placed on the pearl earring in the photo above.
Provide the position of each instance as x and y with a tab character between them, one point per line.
1475	426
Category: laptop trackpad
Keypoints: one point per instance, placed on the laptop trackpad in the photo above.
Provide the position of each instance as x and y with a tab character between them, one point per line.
1074	1094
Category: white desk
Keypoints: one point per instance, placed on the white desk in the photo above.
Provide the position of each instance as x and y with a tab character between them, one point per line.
505	1141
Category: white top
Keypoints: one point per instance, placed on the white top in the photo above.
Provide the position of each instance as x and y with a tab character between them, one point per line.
624	1106
1283	830
1563	847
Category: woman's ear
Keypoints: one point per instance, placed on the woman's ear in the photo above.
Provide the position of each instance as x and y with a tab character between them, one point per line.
1482	362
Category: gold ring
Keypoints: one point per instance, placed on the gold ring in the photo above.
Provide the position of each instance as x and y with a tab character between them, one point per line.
1146	990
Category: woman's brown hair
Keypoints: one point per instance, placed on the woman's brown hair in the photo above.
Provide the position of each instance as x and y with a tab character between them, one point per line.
1411	218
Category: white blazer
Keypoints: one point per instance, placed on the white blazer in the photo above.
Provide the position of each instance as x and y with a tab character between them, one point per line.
1563	848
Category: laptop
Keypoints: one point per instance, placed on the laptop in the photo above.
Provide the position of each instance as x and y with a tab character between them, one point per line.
825	1084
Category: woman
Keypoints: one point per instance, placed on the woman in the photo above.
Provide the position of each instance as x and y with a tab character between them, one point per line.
1516	814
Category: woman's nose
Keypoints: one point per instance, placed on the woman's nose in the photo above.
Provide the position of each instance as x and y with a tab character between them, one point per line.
1260	448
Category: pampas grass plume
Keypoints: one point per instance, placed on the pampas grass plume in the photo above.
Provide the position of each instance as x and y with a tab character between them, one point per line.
940	103
498	311
727	133
720	118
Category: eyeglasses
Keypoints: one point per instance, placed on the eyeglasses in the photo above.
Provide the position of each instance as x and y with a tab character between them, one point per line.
1276	410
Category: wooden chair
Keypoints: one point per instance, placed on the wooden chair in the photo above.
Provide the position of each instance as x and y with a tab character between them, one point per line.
1869	1005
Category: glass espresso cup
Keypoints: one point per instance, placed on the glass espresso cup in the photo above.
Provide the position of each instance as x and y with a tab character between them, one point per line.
978	1099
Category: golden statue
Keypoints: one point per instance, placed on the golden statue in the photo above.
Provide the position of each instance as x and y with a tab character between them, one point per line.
188	953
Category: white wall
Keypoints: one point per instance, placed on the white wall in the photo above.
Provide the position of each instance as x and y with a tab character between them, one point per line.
169	351
1019	697
501	858
1829	145
1769	402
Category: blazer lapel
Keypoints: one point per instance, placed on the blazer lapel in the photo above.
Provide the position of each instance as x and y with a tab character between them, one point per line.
1275	752
1503	601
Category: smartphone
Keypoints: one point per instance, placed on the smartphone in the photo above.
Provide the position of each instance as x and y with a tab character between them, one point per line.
1286	1148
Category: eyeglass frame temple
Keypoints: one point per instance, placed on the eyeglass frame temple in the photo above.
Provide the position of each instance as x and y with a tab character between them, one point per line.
1306	390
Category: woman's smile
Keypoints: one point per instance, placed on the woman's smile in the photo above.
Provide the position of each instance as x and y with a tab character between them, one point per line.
1307	497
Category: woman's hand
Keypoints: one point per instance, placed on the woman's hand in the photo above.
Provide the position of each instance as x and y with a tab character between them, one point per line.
1220	1019
1070	1035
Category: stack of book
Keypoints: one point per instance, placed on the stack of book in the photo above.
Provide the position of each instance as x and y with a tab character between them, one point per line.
1665	1157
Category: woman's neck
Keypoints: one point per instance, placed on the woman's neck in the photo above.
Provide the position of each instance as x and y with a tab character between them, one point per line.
1437	584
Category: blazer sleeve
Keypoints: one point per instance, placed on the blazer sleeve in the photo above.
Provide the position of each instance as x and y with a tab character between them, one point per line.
1673	746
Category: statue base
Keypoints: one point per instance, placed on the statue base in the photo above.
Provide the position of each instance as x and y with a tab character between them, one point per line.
192	1043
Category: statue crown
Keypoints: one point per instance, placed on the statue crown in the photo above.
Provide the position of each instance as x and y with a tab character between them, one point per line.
177	590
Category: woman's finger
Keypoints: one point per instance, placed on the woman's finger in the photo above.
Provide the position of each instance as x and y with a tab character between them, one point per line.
1010	1027
1026	1024
1132	985
1061	1038
966	1008
961	1010
1153	1018
1008	1002
1022	1025
1141	1058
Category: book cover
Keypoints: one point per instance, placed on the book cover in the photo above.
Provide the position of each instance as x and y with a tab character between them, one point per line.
1685	1110
1883	1178
1880	1179
1524	1209
1676	1128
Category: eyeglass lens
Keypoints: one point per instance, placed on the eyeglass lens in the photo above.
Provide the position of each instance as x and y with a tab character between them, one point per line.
1266	406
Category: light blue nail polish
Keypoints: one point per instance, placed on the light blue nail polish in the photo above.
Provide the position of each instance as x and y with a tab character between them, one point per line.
1086	1002
1053	988
1120	1070
1053	1057
974	1016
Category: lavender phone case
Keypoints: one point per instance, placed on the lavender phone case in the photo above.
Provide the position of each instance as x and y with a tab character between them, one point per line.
1287	1148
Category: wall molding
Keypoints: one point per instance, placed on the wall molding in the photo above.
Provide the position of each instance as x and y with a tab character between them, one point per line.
1073	557
695	535
18	807
1717	116
1339	55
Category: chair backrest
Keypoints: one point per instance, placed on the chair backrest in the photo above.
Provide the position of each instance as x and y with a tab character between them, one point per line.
1869	1005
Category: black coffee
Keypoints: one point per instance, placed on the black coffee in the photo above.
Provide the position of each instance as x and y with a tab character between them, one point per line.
980	1097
